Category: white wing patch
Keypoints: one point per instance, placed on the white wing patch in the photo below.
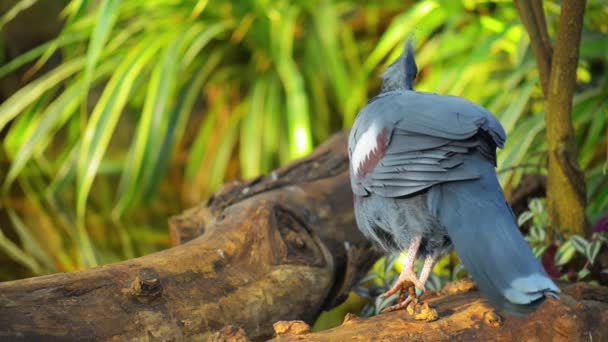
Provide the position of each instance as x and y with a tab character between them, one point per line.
366	144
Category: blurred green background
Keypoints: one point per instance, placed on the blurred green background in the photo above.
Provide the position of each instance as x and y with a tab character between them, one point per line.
117	114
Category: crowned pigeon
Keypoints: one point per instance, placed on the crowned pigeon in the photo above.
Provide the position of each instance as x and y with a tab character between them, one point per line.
422	170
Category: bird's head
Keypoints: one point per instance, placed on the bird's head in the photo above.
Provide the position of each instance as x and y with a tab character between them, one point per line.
401	74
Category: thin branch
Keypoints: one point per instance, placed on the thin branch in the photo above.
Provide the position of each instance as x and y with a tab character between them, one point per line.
533	17
537	166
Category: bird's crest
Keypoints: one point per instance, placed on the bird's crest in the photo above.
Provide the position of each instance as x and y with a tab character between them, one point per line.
402	73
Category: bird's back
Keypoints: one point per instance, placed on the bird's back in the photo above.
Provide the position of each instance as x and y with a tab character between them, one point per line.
419	161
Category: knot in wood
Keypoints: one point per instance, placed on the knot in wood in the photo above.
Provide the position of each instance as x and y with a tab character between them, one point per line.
291	328
492	319
299	242
146	286
229	333
350	318
459	286
422	311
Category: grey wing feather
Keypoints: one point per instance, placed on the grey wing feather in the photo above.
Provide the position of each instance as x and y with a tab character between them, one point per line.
429	135
355	185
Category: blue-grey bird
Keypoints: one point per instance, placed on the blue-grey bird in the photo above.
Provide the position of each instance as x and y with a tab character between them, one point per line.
422	170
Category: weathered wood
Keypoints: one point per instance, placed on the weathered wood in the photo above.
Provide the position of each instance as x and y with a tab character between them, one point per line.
464	315
275	248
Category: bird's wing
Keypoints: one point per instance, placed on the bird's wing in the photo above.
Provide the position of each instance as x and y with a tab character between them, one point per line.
405	142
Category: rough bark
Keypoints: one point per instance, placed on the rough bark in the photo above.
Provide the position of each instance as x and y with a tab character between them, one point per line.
464	315
566	194
566	199
274	248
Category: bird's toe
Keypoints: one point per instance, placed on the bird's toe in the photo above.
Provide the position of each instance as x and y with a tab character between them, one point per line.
403	304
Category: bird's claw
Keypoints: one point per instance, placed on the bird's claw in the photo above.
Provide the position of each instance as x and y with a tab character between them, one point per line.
403	304
404	282
402	286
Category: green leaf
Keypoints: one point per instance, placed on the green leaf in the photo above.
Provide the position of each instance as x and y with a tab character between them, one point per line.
105	116
400	28
542	235
272	124
524	217
390	262
153	123
21	60
15	10
23	126
517	107
54	117
107	13
538	251
594	250
198	149
370	277
225	150
75	9
580	244
298	115
13	251
65	172
35	89
537	206
251	127
30	244
202	40
520	143
564	253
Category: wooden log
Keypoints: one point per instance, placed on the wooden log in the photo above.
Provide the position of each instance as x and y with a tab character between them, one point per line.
279	247
464	315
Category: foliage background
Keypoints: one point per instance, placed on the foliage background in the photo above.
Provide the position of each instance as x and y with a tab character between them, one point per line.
139	109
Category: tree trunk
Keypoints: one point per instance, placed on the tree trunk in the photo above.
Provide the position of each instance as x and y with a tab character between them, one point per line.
566	182
279	247
566	194
464	315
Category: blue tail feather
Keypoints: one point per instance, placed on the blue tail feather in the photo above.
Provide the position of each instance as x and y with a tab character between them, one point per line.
484	232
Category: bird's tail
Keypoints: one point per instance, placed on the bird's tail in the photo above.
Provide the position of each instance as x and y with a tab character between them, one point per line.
402	73
484	232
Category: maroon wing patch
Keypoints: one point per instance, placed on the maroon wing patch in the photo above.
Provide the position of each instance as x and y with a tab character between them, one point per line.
370	151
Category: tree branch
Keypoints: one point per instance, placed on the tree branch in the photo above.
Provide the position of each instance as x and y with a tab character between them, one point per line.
283	246
580	315
533	17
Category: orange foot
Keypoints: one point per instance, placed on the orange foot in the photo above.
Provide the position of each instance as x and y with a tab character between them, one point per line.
407	282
